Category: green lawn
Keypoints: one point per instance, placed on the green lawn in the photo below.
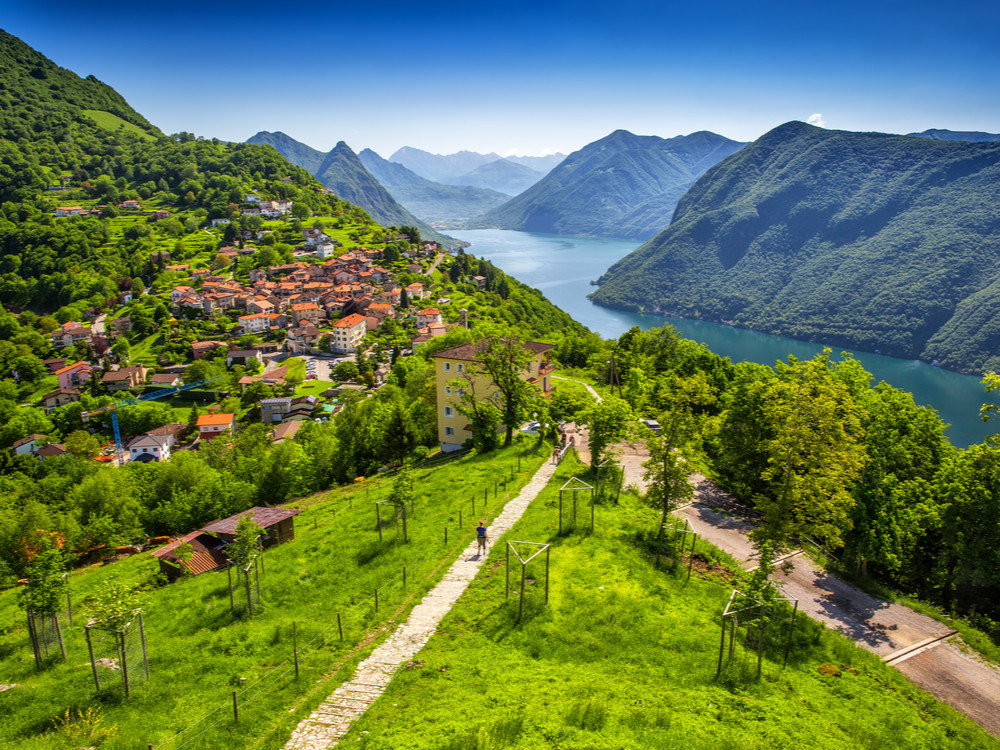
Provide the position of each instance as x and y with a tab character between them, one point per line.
200	652
625	656
112	122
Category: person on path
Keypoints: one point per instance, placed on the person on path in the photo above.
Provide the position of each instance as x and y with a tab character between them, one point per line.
481	537
555	455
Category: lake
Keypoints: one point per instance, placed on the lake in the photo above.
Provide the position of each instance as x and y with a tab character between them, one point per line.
562	268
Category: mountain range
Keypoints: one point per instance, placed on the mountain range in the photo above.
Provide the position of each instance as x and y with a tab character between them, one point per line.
883	242
509	175
623	185
438	204
972	136
342	171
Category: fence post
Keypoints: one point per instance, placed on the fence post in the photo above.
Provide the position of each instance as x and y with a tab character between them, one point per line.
145	654
93	665
69	608
446	534
376	600
120	638
236	709
62	646
494	490
340	627
295	648
461	524
404	578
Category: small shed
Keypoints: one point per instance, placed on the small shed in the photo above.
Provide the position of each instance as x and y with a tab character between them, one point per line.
278	525
206	555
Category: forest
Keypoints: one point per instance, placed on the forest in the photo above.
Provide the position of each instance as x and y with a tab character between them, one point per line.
878	242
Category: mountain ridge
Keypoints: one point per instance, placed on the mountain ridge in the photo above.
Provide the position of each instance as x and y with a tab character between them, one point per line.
881	242
433	202
623	185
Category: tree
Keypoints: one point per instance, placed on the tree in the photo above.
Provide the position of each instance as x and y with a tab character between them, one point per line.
667	473
83	444
115	605
46	588
607	422
243	550
501	359
346	370
813	458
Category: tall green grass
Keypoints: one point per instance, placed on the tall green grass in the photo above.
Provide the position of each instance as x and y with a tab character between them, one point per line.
625	655
200	651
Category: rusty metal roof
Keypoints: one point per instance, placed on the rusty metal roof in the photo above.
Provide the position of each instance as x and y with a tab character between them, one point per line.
263	517
206	553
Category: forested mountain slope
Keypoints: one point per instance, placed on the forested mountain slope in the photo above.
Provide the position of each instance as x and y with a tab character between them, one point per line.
431	201
887	243
623	185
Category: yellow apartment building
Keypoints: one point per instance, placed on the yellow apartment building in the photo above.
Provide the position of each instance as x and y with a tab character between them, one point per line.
454	363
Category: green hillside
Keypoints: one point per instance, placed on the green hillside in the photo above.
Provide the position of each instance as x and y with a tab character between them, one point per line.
623	185
200	650
886	243
625	656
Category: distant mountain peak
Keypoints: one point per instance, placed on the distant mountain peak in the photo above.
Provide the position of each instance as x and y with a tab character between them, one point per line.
622	185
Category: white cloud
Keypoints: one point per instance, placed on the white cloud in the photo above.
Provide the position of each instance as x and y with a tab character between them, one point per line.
817	120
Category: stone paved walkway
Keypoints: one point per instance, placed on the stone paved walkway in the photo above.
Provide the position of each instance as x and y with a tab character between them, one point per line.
333	717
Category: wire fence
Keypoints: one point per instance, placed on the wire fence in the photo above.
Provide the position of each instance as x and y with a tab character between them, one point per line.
355	619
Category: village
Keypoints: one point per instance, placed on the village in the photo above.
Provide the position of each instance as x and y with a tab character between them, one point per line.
324	308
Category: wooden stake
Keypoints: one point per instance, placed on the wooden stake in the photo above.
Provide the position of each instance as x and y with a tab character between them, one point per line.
295	648
69	608
376	600
340	627
145	653
93	665
404	578
236	709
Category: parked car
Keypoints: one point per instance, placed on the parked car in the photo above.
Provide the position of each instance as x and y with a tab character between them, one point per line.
652	424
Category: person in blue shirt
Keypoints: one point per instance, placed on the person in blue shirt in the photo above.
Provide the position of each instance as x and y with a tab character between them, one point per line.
481	537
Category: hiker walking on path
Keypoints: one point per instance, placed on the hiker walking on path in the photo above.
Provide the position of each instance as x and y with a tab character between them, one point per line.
481	537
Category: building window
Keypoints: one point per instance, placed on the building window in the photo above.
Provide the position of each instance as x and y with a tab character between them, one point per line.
449	431
447	390
460	367
449	411
447	366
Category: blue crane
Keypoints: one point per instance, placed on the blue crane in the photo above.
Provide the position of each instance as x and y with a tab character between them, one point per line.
115	406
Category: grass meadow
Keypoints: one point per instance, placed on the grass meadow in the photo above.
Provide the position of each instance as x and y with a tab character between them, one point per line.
200	652
625	656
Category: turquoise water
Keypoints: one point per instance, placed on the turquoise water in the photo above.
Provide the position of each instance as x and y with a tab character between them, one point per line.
562	268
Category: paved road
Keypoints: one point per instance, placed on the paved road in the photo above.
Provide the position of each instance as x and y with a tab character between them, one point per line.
926	651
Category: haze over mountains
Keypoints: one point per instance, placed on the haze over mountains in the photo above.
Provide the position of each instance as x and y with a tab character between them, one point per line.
440	205
883	242
623	185
509	175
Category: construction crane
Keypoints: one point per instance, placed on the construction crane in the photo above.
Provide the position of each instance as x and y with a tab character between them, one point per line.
116	406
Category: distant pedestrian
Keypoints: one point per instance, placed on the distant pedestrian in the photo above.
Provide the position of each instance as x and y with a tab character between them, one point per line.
555	455
482	537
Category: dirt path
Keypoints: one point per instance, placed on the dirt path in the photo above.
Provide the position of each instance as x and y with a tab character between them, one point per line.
333	717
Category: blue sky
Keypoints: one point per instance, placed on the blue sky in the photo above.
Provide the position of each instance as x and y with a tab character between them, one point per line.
529	77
